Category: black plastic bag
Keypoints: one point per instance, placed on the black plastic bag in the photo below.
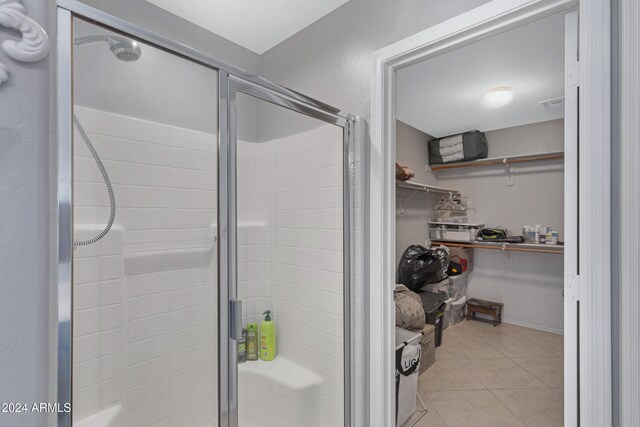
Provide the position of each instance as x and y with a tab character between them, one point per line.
420	266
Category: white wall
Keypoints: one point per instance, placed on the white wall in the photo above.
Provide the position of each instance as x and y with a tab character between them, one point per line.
24	229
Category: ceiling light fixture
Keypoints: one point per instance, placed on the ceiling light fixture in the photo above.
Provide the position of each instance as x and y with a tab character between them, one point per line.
497	97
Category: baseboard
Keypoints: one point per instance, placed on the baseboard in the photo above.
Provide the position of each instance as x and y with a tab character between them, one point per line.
533	326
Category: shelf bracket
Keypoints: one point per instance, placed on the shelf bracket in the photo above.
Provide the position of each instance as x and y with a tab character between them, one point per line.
510	179
401	210
508	259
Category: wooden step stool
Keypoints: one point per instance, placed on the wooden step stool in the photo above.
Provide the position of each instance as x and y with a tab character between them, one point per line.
494	309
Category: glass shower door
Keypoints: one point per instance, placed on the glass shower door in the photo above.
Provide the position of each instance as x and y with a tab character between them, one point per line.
288	263
145	306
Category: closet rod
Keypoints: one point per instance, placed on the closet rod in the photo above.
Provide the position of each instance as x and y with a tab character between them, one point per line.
502	160
416	186
497	246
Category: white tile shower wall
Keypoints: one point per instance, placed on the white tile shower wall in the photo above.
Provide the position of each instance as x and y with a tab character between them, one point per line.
256	203
309	256
290	257
145	311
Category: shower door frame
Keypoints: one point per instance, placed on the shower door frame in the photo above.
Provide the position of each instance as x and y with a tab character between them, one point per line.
232	85
230	81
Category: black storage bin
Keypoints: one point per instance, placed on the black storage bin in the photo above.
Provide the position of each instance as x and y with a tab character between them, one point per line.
434	306
460	147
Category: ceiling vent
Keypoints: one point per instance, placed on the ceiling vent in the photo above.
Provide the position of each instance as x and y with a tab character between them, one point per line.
552	103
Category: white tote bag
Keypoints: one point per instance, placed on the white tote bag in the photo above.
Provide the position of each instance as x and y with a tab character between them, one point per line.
407	370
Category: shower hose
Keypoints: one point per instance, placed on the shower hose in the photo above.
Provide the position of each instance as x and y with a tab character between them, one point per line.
107	182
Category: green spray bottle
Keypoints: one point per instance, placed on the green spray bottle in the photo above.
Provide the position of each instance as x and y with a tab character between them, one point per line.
267	338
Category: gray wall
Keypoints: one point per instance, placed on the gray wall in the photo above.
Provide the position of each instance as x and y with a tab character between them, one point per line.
529	284
24	229
331	59
412	151
537	193
413	209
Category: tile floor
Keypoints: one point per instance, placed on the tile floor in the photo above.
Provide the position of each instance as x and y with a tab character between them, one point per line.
487	376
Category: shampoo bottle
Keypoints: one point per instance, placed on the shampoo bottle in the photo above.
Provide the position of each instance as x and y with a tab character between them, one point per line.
267	338
252	341
242	347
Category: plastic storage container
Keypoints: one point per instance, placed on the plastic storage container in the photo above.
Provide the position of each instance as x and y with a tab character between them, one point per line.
453	232
457	313
447	309
408	351
463	256
441	287
449	210
458	285
434	306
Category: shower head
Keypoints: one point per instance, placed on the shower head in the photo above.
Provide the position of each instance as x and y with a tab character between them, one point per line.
124	49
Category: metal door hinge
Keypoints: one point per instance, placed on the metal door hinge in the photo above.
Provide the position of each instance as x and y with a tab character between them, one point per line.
573	74
572	287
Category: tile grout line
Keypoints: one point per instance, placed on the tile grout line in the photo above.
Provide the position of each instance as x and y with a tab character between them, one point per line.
427	402
486	340
506	407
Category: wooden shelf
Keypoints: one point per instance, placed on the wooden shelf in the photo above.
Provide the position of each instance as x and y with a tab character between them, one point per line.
501	246
416	186
554	155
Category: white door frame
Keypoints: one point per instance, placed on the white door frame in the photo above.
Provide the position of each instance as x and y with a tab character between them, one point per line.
593	404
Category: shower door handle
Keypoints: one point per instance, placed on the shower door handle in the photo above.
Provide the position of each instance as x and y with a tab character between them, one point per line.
235	319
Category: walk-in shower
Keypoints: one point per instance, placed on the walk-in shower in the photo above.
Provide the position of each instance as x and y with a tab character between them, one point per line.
224	196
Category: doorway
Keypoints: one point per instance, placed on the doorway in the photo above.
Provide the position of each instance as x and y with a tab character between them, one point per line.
581	288
492	214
